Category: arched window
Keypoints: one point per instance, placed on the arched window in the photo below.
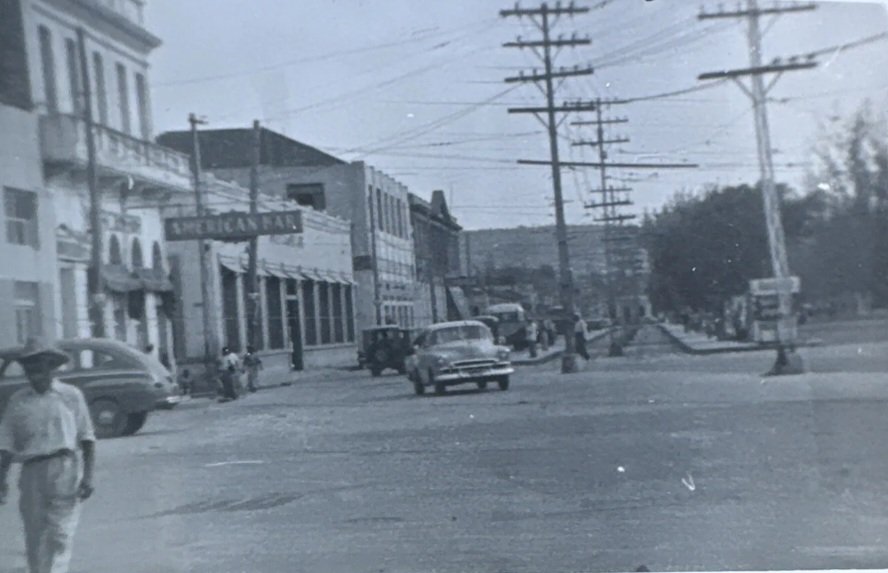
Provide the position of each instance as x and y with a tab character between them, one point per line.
138	261
114	256
156	257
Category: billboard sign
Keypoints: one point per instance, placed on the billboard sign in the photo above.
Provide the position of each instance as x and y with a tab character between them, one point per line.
233	226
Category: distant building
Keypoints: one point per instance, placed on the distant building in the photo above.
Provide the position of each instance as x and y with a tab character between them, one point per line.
134	174
482	252
375	204
436	244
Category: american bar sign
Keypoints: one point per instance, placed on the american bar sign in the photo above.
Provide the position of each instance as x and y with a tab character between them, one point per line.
233	226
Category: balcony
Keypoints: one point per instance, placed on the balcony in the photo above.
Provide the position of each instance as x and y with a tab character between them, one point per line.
63	145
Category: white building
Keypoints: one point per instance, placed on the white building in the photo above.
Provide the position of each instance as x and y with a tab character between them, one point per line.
134	174
306	294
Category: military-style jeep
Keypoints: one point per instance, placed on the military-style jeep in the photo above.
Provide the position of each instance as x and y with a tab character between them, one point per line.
384	347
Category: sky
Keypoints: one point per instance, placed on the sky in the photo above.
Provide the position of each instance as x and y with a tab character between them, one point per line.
416	89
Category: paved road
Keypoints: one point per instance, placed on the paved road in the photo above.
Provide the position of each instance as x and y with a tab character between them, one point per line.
672	461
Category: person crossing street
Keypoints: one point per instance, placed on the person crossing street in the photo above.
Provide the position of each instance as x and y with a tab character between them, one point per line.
43	427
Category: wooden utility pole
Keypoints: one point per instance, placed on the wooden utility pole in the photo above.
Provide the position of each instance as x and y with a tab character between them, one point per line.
377	293
788	361
252	279
544	18
210	342
97	282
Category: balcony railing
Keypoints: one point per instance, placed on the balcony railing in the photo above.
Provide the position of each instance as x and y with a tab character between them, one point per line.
63	142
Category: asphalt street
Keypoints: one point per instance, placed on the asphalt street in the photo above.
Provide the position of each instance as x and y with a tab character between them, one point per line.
660	459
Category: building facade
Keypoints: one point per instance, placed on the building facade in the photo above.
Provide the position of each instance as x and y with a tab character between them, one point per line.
306	296
133	174
374	203
436	245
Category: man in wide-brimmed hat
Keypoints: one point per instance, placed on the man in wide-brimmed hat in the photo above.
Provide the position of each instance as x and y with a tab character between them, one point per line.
43	427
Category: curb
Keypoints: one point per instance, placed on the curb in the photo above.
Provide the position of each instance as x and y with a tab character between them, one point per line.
727	349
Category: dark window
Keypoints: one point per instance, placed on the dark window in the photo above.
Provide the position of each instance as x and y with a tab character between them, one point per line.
380	219
399	217
123	99
20	208
14	81
114	256
324	295
349	314
144	108
338	326
229	309
74	76
275	313
49	77
308	302
138	260
307	195
101	90
156	257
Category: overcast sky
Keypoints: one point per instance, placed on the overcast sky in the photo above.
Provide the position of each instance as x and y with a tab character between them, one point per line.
416	89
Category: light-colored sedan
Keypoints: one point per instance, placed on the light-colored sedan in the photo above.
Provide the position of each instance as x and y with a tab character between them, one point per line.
453	353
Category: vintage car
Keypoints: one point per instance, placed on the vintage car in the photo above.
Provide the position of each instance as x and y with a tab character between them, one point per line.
512	319
492	323
384	347
452	353
120	384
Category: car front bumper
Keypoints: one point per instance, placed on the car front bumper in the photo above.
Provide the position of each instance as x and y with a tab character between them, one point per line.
473	374
167	402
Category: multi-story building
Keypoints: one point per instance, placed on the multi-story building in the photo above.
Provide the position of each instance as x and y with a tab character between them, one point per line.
27	233
436	244
133	174
305	301
374	203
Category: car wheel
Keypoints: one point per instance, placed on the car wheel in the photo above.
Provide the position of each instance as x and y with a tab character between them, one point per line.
134	423
419	388
482	385
108	419
440	388
503	383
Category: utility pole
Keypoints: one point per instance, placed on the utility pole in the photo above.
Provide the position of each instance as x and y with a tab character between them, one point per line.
377	296
545	17
608	204
788	360
97	282
210	343
252	280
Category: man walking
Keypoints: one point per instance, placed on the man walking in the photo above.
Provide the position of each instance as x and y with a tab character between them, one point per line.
252	364
530	336
230	375
43	427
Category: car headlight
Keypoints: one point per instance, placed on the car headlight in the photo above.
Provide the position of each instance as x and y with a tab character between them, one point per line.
503	354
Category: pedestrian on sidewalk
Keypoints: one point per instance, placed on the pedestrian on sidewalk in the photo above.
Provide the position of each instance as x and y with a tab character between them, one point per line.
229	374
530	336
43	427
580	333
543	336
252	366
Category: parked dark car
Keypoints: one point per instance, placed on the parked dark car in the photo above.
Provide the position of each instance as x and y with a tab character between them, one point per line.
492	323
121	384
384	347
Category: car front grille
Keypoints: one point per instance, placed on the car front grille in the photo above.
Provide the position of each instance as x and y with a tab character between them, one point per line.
478	363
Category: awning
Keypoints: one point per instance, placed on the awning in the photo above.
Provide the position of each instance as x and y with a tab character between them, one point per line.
275	270
313	275
347	280
231	264
118	279
153	280
292	272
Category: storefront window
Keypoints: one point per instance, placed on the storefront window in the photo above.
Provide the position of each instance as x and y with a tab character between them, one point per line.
324	295
275	313
229	309
311	325
349	314
338	326
27	311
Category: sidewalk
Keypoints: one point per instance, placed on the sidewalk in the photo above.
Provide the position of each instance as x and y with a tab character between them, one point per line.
699	343
522	357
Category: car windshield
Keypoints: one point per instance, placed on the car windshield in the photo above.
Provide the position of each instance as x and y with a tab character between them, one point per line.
460	333
507	316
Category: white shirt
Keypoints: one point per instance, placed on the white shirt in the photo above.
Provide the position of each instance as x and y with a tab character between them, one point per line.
41	424
580	327
532	331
